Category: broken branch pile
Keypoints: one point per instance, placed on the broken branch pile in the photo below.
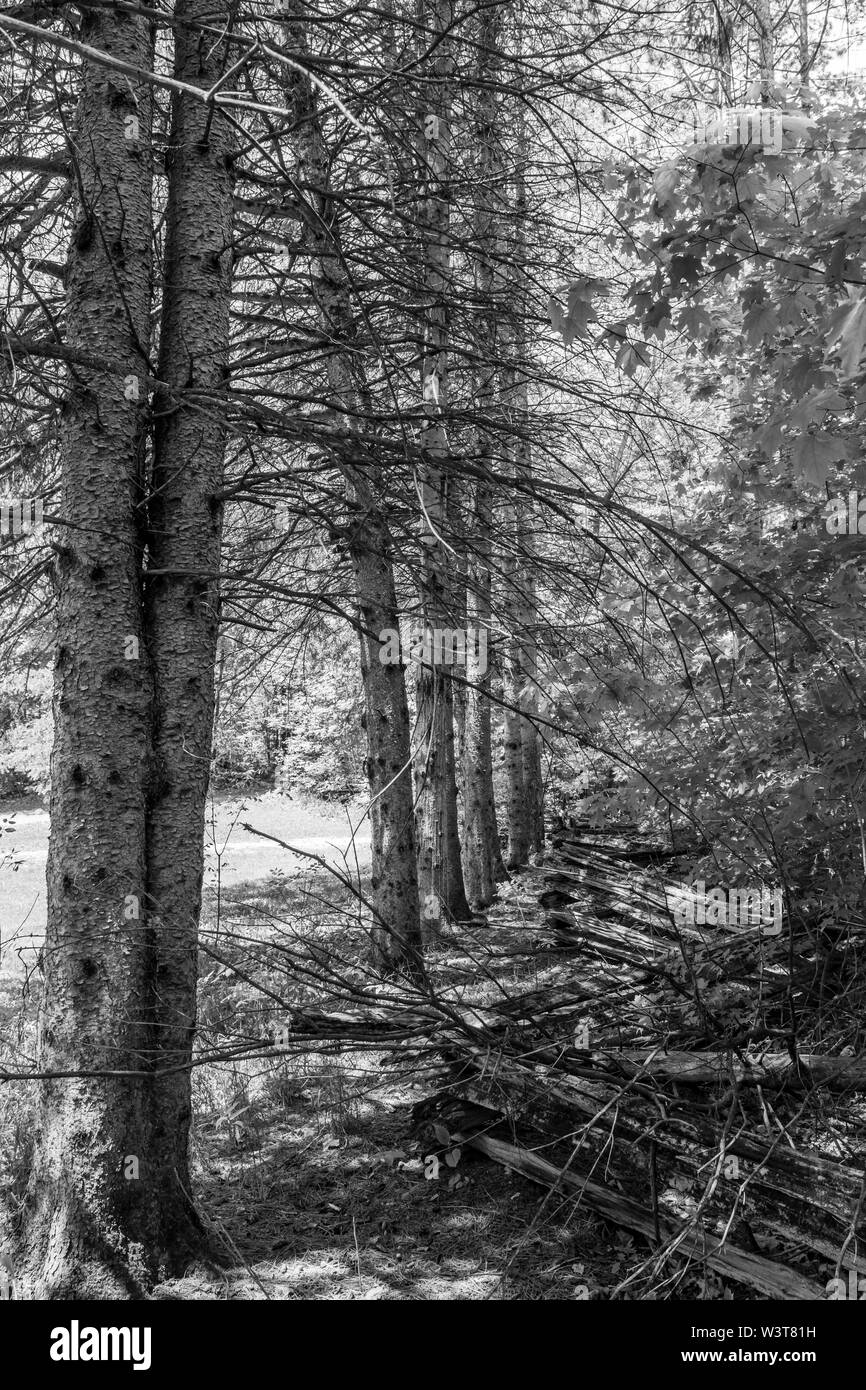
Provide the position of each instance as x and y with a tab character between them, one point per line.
671	1086
673	1078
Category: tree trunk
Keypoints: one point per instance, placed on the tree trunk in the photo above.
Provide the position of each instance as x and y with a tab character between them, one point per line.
803	45
394	885
95	1224
397	936
440	874
182	585
766	50
482	857
517	818
533	781
725	69
522	751
533	785
516	805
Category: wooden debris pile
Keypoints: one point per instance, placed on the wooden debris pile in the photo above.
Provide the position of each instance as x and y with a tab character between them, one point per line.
673	1078
667	1089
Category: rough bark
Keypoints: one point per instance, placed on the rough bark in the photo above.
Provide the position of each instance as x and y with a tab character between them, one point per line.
394	883
440	874
460	508
182	590
725	67
482	856
803	49
530	740
765	35
527	522
516	804
524	797
91	1229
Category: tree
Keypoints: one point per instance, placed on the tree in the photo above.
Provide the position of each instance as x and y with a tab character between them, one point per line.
137	614
181	581
440	872
394	873
482	858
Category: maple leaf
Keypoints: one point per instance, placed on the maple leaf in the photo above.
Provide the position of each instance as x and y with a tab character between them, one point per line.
665	180
574	321
805	374
812	409
684	270
768	438
849	327
759	323
813	454
741	236
798	126
749	187
792	307
696	321
557	317
836	264
655	317
629	356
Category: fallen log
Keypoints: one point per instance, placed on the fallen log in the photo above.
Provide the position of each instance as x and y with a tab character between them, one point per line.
822	1195
770	1070
770	1278
644	856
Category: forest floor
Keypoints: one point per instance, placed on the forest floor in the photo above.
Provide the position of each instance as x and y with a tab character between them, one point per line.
313	1186
308	1172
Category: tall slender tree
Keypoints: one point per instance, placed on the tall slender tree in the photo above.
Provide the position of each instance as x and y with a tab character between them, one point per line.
526	514
440	873
482	856
394	871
